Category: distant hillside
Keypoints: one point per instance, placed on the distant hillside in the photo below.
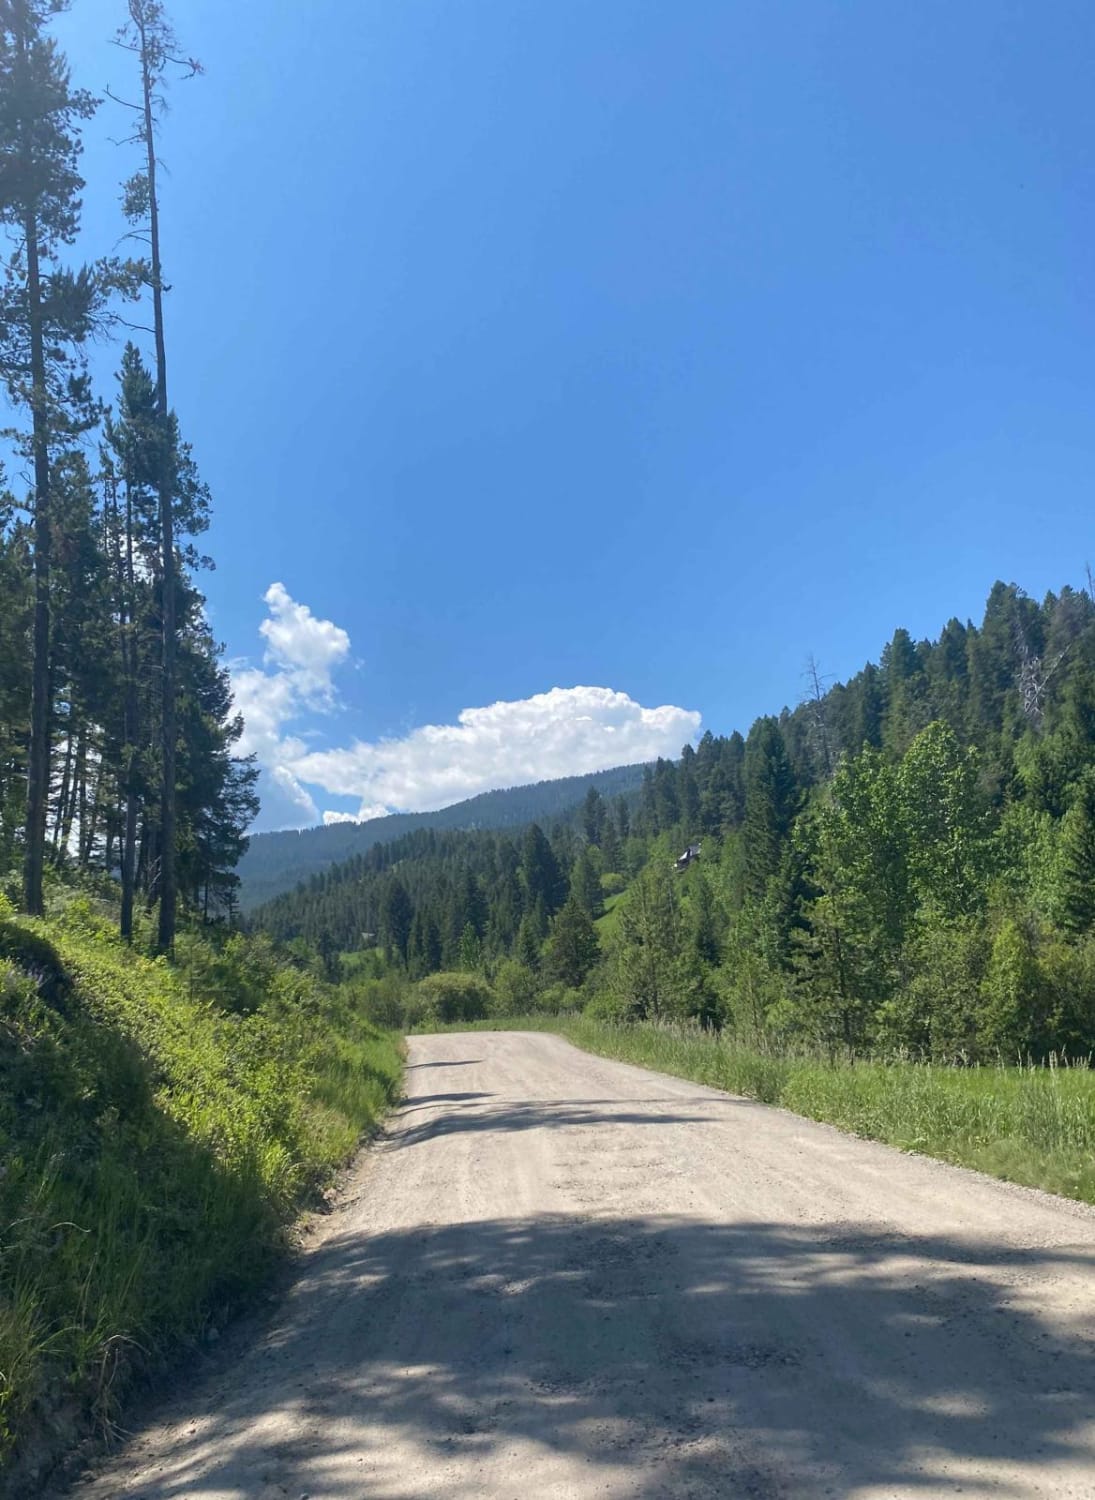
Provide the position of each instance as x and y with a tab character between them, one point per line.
276	862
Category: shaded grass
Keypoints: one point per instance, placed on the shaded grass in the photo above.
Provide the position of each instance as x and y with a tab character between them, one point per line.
1034	1126
154	1149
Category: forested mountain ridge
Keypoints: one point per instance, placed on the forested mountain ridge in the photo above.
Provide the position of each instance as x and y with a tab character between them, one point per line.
904	860
276	862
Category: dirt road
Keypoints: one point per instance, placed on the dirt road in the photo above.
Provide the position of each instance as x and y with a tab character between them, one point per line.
564	1277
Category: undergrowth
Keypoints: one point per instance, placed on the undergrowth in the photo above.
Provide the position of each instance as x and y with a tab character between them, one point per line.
1030	1125
154	1146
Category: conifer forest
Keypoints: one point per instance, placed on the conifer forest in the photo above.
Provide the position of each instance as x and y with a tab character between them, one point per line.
116	720
901	864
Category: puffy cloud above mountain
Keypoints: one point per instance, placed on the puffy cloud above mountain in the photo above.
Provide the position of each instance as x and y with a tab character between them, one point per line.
301	647
563	732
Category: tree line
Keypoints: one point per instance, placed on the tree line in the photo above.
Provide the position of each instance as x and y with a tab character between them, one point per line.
903	862
277	862
116	723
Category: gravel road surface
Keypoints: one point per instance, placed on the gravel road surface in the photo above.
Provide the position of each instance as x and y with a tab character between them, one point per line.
560	1277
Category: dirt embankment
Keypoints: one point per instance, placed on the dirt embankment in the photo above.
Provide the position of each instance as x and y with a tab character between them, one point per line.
561	1276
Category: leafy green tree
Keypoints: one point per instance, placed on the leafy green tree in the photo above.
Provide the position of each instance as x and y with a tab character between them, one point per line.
1014	1005
46	315
645	967
396	918
572	948
517	988
949	848
148	35
15	621
611	852
594	816
1077	868
530	937
424	945
704	920
905	690
688	793
544	881
862	852
771	802
585	884
330	958
216	788
471	949
623	819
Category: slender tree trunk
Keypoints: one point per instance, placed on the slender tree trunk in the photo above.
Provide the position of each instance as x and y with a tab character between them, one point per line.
168	724
70	793
128	649
146	863
84	819
62	798
108	843
38	755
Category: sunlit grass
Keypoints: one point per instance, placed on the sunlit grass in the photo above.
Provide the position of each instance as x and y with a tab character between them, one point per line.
154	1148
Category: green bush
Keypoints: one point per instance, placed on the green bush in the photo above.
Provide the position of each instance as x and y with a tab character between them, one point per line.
384	1001
454	996
607	1007
516	988
560	1000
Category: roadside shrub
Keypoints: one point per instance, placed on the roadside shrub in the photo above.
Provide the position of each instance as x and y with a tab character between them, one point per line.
559	1000
607	1007
384	1001
454	996
516	987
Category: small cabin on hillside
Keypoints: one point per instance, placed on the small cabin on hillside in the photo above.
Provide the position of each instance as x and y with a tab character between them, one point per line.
691	853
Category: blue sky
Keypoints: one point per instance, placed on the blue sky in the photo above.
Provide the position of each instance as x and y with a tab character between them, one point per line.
638	345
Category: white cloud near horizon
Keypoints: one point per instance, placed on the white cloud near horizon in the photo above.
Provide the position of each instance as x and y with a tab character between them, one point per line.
562	732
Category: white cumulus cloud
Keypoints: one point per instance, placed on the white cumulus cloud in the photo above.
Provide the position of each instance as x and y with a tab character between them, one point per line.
562	732
301	647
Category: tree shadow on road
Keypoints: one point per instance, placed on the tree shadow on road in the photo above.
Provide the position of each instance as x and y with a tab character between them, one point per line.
672	1357
463	1062
471	1116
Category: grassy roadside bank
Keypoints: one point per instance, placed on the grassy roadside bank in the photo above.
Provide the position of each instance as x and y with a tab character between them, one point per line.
1034	1126
160	1128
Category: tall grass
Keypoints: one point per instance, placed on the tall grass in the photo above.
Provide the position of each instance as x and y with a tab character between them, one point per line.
1031	1125
154	1147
